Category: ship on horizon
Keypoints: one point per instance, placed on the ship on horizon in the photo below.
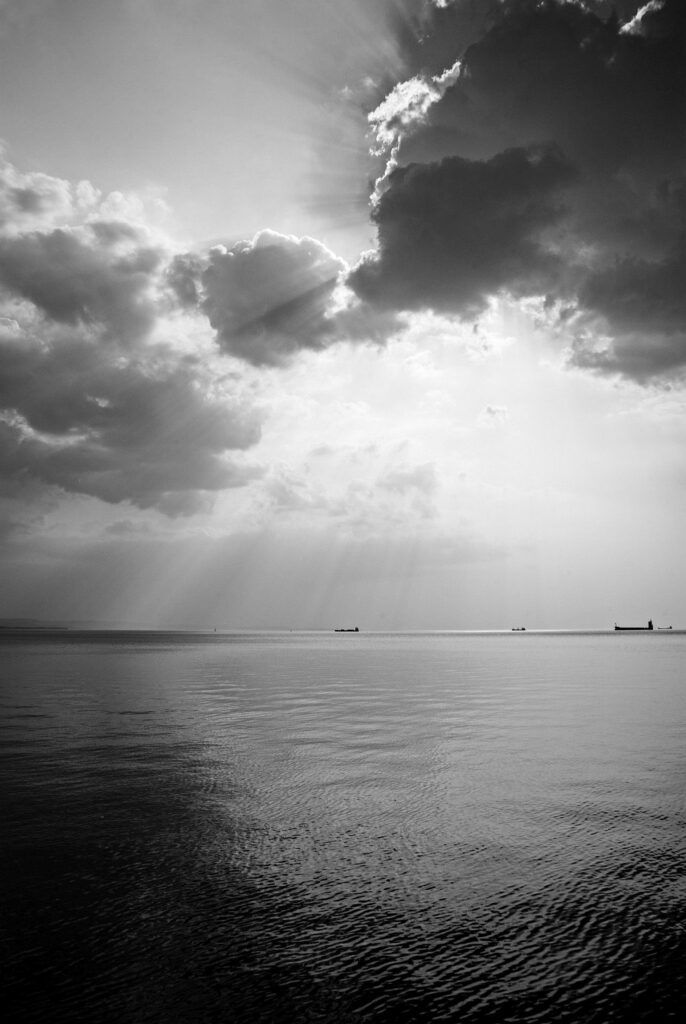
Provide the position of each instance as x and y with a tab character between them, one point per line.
635	629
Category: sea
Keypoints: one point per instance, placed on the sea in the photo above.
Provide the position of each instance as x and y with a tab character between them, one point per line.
343	827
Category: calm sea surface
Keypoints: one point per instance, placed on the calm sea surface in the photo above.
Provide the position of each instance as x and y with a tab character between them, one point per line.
343	827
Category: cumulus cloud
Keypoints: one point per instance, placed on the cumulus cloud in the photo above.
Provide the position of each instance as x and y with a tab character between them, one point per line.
274	296
144	430
76	280
110	385
269	297
602	228
31	201
93	398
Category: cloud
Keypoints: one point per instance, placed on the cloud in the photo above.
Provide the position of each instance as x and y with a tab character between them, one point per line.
31	201
109	383
604	97
143	430
420	479
24	504
35	201
408	104
641	295
78	257
75	280
556	71
645	303
274	296
95	398
183	277
452	233
268	298
493	415
348	488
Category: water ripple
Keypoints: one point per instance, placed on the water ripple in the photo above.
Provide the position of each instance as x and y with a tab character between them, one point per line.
295	828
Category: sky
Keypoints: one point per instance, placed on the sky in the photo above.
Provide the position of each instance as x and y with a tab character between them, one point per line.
323	313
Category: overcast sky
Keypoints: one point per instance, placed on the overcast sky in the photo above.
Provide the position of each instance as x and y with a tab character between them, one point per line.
323	313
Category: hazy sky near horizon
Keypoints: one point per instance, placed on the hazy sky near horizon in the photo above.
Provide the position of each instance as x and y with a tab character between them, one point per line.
343	312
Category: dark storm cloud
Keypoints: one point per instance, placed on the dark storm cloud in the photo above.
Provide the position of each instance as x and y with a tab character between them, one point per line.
556	71
451	233
607	94
645	302
440	34
641	295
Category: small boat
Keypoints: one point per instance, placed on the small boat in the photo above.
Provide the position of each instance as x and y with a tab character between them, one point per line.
635	629
664	627
518	629
355	629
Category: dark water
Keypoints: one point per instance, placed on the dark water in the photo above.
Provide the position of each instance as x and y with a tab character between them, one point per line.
325	827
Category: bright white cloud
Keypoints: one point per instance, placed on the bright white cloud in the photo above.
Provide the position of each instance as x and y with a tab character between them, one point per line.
407	106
